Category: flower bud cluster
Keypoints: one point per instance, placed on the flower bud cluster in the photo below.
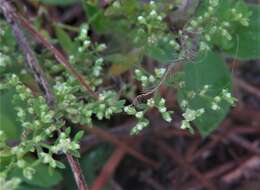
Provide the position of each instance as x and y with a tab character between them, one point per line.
142	122
215	104
215	28
150	24
190	115
86	43
10	184
149	79
39	123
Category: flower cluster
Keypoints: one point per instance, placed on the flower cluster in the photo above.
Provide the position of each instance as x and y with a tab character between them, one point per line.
215	28
11	184
139	115
159	103
42	127
79	111
215	103
38	123
142	122
190	115
150	24
86	43
147	79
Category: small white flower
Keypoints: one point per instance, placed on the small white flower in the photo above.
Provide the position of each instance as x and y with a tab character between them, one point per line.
184	103
217	99
159	72
139	126
162	109
144	78
153	13
151	78
141	19
139	114
185	125
86	43
101	47
21	163
215	106
150	102
130	110
162	102
167	117
190	115
29	172
159	17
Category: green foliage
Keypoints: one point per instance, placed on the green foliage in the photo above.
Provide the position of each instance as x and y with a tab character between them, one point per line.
7	114
162	52
247	40
129	41
208	70
65	40
43	177
58	2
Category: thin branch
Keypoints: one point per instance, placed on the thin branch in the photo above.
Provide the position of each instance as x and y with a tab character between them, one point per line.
35	69
77	172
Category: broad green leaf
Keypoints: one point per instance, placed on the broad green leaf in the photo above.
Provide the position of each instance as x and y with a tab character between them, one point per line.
96	18
211	70
30	187
162	52
8	122
247	41
65	40
44	177
58	2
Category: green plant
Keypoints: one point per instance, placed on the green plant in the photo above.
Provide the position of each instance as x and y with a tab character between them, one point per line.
132	31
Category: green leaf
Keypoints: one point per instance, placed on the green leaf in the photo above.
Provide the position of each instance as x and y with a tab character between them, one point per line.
44	177
78	136
210	70
162	52
8	122
248	38
97	19
8	38
59	2
30	187
65	40
60	165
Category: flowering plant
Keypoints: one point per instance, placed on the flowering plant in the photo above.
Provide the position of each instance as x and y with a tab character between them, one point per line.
136	46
